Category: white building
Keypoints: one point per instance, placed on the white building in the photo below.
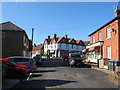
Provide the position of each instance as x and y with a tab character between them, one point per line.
56	45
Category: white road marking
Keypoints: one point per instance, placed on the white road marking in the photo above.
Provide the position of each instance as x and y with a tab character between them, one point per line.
29	76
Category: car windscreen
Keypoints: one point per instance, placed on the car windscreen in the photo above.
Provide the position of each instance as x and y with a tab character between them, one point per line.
76	55
21	59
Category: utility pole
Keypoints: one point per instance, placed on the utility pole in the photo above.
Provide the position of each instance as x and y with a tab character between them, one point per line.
32	35
32	40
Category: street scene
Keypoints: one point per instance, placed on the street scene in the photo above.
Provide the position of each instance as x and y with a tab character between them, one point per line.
60	45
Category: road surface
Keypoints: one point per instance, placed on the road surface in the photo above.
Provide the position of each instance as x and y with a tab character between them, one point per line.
55	73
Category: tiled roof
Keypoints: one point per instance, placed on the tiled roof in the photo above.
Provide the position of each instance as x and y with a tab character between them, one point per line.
38	47
59	38
78	41
9	26
70	39
67	40
47	41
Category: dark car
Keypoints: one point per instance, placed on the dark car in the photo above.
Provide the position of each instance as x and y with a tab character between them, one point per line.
37	59
28	61
75	59
4	68
21	70
16	70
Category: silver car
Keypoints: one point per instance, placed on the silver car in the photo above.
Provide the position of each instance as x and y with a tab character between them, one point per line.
28	61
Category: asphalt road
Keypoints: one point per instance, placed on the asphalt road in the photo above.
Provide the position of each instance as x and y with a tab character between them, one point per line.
55	73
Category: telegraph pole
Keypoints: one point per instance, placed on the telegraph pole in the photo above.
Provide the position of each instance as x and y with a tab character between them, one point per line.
32	40
32	35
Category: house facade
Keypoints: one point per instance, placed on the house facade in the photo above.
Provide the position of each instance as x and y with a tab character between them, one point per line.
105	41
37	49
15	41
56	45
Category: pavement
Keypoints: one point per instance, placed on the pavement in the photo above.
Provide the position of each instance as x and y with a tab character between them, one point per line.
104	70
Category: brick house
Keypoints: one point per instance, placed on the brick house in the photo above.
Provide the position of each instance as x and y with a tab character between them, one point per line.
105	41
57	45
37	49
15	41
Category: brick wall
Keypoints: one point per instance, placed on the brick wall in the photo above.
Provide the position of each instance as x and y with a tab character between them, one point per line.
113	41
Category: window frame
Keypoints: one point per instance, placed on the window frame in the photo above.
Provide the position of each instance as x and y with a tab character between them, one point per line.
108	32
109	52
100	36
93	39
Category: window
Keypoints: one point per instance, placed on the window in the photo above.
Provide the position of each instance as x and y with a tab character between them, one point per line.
109	52
51	45
60	45
77	47
93	39
108	35
100	36
72	46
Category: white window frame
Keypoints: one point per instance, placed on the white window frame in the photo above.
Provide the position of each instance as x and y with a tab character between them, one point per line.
100	36
93	38
108	32
109	52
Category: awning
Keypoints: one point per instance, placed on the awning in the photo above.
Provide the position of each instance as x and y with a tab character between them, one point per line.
97	48
100	43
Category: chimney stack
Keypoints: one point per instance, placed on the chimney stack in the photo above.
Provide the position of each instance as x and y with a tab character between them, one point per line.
34	45
55	35
48	37
117	11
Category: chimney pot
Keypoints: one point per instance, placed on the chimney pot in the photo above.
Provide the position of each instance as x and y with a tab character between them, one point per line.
49	37
55	35
117	11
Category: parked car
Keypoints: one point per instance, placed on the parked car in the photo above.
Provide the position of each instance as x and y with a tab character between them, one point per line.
38	55
28	61
4	68
75	59
13	69
16	70
37	59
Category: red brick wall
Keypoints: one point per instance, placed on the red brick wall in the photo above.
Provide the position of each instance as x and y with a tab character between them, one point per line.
113	41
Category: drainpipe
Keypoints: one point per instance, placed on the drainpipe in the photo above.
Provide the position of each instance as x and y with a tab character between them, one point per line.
118	40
